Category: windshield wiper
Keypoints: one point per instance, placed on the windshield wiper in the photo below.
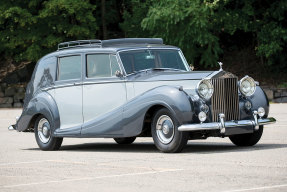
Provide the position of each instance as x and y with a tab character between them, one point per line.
172	69
155	69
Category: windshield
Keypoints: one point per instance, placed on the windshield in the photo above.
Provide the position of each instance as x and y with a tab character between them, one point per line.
138	60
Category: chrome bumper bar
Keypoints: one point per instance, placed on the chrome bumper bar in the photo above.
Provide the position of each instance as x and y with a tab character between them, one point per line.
222	125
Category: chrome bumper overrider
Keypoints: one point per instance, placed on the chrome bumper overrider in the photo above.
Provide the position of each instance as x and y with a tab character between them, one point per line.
222	125
11	128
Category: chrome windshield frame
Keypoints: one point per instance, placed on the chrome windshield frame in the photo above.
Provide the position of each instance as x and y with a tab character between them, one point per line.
152	48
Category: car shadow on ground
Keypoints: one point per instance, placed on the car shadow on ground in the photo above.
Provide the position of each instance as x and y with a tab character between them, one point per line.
227	147
149	147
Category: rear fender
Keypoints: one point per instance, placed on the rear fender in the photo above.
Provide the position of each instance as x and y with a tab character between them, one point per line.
42	104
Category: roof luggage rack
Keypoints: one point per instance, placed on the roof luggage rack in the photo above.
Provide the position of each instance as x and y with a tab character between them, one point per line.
109	43
79	43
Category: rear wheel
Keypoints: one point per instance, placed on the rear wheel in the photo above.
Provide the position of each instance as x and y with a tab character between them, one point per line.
248	139
125	140
165	134
43	135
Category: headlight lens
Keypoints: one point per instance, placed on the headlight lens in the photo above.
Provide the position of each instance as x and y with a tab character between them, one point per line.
247	86
205	89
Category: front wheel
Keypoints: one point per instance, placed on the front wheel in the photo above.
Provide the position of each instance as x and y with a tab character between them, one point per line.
125	140
165	134
43	135
248	139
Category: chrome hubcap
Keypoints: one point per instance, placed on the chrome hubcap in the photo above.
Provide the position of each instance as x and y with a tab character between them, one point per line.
44	132
165	129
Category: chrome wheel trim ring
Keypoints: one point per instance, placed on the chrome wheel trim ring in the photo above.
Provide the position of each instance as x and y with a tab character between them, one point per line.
165	129
44	130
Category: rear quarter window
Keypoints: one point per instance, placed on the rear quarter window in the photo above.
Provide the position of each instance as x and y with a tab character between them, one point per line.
69	67
45	73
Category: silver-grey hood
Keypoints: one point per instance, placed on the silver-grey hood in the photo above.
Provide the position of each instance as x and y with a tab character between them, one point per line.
168	75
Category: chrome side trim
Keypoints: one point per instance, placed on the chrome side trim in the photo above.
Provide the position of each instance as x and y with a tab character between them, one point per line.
228	124
103	82
82	83
61	86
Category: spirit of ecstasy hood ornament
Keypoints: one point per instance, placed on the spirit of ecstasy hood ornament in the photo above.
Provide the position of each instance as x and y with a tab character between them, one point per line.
220	64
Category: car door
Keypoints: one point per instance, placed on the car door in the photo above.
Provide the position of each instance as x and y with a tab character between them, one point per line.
104	95
68	92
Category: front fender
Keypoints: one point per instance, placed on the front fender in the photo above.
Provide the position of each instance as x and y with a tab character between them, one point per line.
174	99
259	99
43	103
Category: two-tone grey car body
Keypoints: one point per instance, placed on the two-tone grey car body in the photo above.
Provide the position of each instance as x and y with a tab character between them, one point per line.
127	88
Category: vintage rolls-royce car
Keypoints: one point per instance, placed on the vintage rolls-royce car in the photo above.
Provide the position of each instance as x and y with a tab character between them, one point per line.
138	87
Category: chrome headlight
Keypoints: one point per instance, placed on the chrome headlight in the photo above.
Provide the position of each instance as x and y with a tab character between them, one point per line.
205	89
247	86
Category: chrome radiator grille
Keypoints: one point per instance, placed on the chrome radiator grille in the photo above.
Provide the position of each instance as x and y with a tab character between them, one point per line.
225	99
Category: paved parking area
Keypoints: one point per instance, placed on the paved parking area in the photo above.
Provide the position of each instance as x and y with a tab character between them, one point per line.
213	165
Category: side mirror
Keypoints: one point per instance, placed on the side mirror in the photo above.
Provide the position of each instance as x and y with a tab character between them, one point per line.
191	67
118	73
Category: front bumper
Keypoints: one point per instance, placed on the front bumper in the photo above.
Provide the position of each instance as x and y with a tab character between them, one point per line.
229	127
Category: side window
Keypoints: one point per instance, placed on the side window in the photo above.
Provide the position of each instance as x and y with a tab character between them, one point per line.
69	67
101	65
45	73
114	65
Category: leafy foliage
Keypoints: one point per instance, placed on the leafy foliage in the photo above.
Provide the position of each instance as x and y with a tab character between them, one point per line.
134	12
204	29
198	26
188	24
32	28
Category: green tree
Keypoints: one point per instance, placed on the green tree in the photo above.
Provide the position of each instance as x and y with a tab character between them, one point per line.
189	24
204	29
31	28
200	27
134	11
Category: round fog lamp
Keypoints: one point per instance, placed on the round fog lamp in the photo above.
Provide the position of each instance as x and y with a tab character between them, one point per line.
202	116
261	111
